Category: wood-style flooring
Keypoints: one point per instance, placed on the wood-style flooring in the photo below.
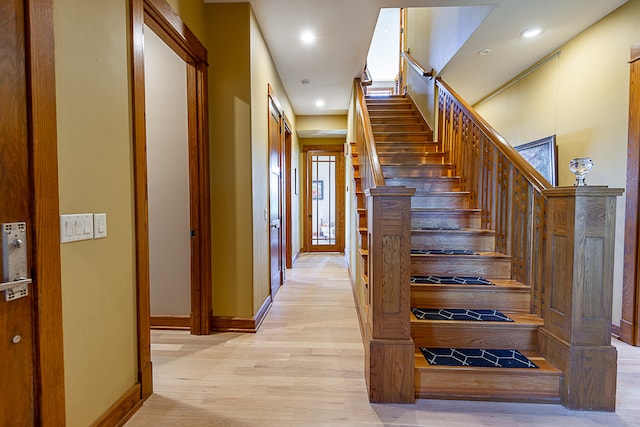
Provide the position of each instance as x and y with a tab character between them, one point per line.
305	368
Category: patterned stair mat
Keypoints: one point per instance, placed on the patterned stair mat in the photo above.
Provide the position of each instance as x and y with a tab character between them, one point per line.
451	280
438	228
443	252
476	357
460	314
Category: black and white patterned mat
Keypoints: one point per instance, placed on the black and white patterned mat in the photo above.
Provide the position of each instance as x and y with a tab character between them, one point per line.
443	252
451	280
460	314
476	357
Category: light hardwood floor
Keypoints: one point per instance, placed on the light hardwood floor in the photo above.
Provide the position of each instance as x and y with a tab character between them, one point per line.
304	368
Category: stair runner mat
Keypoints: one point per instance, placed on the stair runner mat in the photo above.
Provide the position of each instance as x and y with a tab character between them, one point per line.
451	280
443	252
460	314
476	357
438	228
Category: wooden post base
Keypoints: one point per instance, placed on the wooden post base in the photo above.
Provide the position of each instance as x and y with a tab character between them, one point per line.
589	373
391	371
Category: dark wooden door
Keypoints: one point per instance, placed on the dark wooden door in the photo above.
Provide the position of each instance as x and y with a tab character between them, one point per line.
16	316
275	199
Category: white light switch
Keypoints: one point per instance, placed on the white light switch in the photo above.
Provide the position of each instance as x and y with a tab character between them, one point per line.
76	227
100	225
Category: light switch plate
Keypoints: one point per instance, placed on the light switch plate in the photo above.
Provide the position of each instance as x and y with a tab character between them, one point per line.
76	227
99	225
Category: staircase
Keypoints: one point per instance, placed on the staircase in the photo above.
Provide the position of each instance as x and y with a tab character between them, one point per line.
447	241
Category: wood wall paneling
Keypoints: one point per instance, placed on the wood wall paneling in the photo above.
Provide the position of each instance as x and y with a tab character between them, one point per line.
630	322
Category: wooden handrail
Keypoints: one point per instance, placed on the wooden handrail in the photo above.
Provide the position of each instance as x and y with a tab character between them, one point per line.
366	77
416	65
530	173
371	155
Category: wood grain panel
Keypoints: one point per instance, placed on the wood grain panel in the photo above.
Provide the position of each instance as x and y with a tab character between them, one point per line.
630	322
391	275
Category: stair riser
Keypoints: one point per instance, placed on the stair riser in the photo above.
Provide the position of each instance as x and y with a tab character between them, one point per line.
427	184
498	268
478	297
498	335
389	106
396	120
495	385
363	239
403	137
424	171
452	219
362	220
374	114
449	240
407	147
438	201
414	159
397	127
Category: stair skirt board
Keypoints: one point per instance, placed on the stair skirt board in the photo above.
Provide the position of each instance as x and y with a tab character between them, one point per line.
443	252
460	314
486	358
451	280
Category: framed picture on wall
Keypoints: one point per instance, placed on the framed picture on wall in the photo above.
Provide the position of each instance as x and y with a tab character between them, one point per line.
317	190
542	155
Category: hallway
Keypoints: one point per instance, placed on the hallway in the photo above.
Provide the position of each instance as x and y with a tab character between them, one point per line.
304	367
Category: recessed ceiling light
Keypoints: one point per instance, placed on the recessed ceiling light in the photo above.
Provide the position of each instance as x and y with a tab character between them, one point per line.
307	37
531	32
320	103
484	52
387	29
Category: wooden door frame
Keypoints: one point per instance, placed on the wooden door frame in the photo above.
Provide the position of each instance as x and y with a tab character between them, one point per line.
288	191
158	15
46	262
630	322
340	194
272	101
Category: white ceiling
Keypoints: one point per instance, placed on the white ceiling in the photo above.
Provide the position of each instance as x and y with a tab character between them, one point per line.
344	29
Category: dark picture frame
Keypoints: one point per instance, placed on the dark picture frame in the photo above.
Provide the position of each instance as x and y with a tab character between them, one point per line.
542	154
317	189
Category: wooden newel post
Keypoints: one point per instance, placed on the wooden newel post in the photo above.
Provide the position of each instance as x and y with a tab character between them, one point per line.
578	287
390	349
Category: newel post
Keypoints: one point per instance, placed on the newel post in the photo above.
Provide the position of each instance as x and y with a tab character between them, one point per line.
578	280
390	349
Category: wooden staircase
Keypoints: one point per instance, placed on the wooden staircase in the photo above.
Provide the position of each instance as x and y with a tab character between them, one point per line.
443	218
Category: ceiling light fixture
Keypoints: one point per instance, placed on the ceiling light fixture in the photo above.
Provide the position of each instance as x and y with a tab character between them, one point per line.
484	52
307	37
320	103
531	32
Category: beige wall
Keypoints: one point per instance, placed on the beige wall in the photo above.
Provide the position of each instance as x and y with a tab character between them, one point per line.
263	73
230	148
167	178
95	175
192	13
582	96
332	122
